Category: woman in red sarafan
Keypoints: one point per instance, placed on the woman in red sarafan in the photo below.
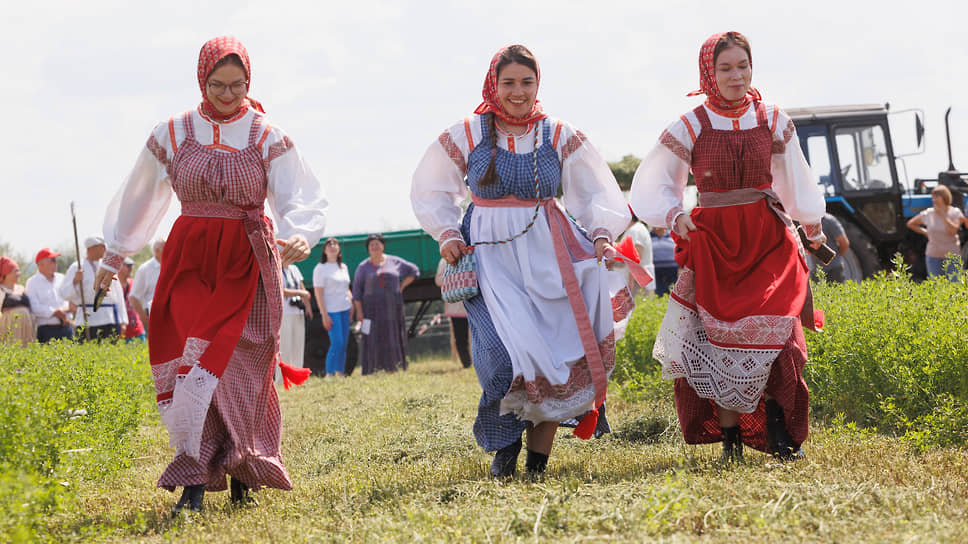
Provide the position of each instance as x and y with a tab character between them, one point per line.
214	325
732	337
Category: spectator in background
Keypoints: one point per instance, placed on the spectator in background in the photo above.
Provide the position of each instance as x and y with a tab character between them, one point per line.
52	312
16	321
378	286
143	289
639	234
295	308
834	271
940	223
135	329
331	285
664	261
111	317
460	340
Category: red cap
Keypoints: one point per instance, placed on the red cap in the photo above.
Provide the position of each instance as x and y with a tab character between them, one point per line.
7	265
45	253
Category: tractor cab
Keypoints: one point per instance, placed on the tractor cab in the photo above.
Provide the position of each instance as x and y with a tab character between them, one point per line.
851	151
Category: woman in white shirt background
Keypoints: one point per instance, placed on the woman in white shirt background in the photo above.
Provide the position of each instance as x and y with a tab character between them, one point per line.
331	285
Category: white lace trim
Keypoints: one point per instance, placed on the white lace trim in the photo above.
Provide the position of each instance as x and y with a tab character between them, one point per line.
184	414
734	378
549	409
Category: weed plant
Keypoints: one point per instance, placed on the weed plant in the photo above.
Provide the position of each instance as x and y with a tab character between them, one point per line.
67	414
894	357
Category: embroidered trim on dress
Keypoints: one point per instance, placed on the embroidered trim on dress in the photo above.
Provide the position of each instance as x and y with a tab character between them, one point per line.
779	147
112	261
762	331
158	151
814	231
448	235
453	151
277	149
602	232
672	144
671	215
572	145
622	304
557	402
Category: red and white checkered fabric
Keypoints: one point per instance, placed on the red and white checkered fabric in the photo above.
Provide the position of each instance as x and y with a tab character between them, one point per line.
214	331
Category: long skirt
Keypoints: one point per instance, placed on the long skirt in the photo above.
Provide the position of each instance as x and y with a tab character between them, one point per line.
211	333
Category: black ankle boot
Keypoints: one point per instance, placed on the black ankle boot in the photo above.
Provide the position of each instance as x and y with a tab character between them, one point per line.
535	463
732	445
778	440
506	460
191	498
240	491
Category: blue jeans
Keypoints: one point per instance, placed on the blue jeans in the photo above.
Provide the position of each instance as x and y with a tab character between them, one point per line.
338	337
936	266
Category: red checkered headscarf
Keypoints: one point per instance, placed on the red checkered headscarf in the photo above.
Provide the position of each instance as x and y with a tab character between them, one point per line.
491	101
707	79
212	52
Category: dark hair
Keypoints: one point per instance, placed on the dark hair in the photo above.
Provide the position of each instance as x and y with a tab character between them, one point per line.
229	59
376	236
730	39
339	256
515	54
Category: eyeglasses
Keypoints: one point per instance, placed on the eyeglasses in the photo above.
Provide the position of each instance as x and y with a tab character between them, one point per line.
237	88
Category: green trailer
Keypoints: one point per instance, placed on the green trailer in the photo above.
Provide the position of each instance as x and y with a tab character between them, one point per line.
413	245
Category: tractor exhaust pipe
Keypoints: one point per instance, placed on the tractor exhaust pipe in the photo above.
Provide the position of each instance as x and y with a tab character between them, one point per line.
947	133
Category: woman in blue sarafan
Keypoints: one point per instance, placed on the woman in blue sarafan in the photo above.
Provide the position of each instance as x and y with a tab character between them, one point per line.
543	327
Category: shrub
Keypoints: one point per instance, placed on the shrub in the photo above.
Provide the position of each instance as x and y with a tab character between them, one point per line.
636	372
66	415
893	356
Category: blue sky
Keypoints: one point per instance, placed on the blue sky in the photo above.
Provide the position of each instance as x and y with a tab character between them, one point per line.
364	87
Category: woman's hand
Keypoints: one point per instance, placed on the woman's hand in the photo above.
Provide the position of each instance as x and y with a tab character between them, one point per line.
451	251
102	280
683	225
815	244
602	246
295	249
327	321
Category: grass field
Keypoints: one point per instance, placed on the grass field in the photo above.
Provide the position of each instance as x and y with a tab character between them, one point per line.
392	458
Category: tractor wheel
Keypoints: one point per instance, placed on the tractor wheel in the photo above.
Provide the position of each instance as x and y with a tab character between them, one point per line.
862	255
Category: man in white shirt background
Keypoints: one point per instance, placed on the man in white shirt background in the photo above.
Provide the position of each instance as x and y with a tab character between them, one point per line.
145	279
111	317
52	312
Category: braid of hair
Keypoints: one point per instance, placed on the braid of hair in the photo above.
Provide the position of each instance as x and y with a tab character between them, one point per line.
490	176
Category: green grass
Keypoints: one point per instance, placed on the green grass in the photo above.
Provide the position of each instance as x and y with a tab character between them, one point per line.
392	458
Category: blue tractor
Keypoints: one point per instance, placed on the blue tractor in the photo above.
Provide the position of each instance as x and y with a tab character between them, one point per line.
851	151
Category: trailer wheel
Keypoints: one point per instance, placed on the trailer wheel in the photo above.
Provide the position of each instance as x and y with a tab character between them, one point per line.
862	254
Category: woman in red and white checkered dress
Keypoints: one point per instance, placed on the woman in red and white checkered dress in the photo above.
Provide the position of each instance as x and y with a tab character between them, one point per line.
214	324
732	337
